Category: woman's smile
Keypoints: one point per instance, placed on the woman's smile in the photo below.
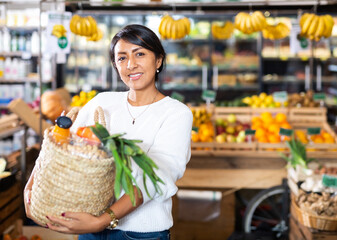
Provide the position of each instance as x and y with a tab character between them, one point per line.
135	76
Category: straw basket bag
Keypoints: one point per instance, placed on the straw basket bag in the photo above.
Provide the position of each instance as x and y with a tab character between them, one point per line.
76	177
313	221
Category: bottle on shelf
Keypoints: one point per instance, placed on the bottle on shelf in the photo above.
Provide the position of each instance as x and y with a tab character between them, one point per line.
2	67
35	43
6	41
15	69
21	43
8	71
14	42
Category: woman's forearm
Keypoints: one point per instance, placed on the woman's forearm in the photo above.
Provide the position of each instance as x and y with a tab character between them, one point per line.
122	207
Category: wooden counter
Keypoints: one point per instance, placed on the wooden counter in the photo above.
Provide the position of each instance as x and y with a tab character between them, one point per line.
231	178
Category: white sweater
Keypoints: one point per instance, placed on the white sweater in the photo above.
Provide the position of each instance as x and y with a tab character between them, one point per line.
165	129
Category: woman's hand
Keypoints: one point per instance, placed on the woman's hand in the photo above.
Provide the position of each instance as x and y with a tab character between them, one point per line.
27	197
78	223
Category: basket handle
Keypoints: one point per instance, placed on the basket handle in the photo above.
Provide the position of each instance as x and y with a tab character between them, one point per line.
72	114
98	115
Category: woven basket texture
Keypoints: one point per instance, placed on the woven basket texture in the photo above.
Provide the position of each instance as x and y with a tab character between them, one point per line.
318	222
71	178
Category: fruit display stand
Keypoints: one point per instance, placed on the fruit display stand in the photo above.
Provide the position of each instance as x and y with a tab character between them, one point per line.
10	205
305	114
299	119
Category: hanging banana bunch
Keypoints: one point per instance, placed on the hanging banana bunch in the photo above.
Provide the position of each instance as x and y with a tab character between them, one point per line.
59	31
249	23
315	27
85	26
222	32
275	32
174	29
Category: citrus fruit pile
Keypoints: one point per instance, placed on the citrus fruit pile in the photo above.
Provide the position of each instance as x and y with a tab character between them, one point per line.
267	127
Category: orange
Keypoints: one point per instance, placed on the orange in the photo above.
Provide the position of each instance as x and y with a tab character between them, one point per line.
260	132
256	119
272	138
326	135
263	139
280	118
329	140
285	125
318	139
274	128
265	115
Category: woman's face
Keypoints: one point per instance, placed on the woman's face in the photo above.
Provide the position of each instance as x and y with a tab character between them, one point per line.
136	65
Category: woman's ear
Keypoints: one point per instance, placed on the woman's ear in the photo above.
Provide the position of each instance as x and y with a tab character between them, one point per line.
159	62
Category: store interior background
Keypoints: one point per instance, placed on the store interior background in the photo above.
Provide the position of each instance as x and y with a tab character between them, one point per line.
241	66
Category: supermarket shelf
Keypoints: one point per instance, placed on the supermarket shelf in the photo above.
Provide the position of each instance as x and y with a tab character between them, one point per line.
10	132
171	68
21	28
239	87
26	55
294	80
304	58
19	80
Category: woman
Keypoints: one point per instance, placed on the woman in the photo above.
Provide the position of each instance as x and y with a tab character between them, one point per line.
162	123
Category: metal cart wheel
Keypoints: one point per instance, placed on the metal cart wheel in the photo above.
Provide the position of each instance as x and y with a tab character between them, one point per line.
268	211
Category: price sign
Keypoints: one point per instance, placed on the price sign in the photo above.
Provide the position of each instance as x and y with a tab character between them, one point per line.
329	181
314	131
195	129
281	96
286	132
178	96
208	95
319	96
249	132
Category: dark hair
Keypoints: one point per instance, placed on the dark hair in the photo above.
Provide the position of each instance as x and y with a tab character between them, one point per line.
141	36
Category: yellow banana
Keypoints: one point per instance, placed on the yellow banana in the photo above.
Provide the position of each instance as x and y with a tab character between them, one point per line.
187	25
162	26
320	28
313	26
307	24
256	23
173	30
303	18
73	23
168	28
262	20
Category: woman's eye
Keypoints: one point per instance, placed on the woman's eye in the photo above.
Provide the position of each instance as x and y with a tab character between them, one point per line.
120	59
140	54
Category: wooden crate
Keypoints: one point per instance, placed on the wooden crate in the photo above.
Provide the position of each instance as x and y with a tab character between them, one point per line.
10	206
202	148
323	148
273	111
306	114
223	148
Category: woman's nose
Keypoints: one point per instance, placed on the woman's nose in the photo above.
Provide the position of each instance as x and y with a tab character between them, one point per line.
131	63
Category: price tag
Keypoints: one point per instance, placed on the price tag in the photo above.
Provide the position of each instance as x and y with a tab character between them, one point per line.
329	181
249	132
281	96
208	95
319	96
195	129
314	131
286	132
178	96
